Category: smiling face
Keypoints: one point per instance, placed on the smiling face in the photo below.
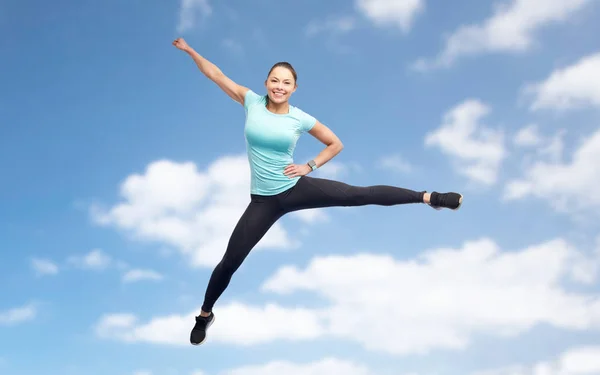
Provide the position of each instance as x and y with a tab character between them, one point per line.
281	83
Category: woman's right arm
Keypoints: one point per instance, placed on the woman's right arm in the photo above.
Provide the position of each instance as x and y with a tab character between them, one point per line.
211	71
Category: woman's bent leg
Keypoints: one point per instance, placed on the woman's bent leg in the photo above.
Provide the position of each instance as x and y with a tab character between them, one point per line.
259	216
311	192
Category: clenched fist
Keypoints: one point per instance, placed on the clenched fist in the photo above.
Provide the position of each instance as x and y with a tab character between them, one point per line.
181	44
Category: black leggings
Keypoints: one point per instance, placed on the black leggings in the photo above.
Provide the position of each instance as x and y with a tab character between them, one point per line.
309	192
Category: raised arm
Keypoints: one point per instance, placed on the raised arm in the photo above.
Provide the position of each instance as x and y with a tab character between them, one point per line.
211	71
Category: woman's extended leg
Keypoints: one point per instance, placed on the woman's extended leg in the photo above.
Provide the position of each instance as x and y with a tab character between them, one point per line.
311	192
259	216
254	223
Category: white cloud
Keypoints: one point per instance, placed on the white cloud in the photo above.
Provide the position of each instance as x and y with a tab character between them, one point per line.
94	260
540	147
396	13
566	185
571	87
477	150
97	260
427	303
134	275
528	136
333	24
44	267
395	163
410	306
190	12
335	170
510	29
311	216
269	323
17	315
195	212
583	360
325	366
113	325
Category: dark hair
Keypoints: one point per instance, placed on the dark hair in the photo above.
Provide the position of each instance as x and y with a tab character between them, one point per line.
283	64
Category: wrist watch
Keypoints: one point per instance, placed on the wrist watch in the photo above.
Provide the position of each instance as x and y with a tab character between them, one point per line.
312	165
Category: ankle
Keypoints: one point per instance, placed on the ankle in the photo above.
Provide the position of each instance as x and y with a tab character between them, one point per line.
426	197
204	313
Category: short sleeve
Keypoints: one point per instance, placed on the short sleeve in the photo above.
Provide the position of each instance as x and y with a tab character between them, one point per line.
306	121
250	99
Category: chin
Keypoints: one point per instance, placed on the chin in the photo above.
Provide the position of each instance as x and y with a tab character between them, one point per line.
278	100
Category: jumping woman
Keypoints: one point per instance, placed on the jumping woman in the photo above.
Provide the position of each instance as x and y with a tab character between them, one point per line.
278	186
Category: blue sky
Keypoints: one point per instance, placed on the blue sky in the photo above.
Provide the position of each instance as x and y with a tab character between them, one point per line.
125	172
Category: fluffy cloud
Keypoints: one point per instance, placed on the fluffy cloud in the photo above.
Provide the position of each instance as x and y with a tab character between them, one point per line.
396	13
538	146
326	366
195	212
528	136
399	14
44	267
427	303
333	24
565	185
578	361
17	315
477	150
190	12
134	275
94	260
410	306
269	323
571	87
311	216
511	28
335	170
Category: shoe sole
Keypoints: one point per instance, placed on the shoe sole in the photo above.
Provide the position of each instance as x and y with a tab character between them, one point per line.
206	332
460	200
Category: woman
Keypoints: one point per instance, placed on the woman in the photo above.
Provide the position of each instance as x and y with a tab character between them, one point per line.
278	186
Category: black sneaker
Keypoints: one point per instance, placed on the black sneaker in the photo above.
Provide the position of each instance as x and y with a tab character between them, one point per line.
198	334
452	201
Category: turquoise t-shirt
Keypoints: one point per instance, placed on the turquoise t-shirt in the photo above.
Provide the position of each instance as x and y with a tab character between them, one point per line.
270	141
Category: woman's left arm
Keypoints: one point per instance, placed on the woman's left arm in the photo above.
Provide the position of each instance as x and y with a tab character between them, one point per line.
328	138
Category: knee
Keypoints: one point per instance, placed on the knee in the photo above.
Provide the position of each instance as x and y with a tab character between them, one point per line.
229	265
358	195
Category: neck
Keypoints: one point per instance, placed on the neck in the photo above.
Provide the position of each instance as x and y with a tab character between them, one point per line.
278	108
